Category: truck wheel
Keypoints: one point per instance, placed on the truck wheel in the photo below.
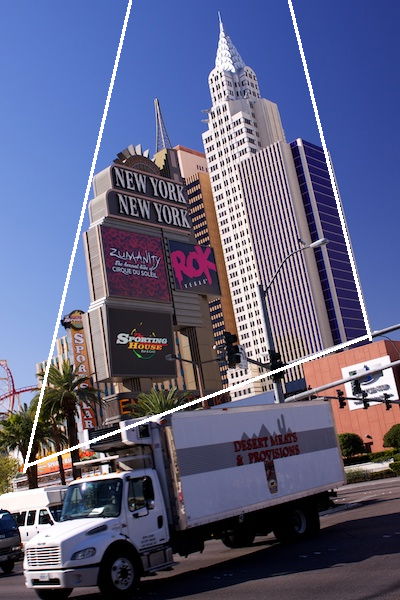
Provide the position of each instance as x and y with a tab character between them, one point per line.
61	594
119	575
7	566
236	538
297	522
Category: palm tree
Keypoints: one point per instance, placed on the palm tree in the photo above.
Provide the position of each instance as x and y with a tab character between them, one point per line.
15	433
65	394
58	437
158	401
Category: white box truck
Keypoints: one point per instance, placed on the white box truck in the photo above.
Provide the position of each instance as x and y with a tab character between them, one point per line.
34	510
230	473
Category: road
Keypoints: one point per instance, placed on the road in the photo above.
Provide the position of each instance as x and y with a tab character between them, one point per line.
356	557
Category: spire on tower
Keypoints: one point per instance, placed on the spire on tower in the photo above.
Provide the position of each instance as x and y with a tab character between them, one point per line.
221	25
162	137
228	58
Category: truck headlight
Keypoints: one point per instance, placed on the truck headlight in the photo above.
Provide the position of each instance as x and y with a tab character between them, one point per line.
82	554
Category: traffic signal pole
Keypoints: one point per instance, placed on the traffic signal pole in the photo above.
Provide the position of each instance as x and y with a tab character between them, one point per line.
276	381
334	384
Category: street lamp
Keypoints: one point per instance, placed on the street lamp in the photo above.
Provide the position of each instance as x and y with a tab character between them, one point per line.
197	365
278	389
199	375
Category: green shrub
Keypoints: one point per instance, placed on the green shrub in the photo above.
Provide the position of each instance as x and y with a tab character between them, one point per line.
356	476
377	457
396	457
391	439
350	444
381	474
381	456
395	467
359	476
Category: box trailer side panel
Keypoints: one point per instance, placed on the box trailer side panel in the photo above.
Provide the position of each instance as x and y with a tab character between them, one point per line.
238	460
35	498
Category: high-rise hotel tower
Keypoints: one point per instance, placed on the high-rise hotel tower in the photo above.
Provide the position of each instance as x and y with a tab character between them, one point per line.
270	198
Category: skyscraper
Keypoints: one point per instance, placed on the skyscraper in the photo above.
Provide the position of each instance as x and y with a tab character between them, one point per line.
193	167
340	294
263	216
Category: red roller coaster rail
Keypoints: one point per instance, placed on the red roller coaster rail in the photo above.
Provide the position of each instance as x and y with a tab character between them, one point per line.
9	400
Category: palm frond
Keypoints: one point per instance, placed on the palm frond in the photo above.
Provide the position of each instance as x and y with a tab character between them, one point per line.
158	401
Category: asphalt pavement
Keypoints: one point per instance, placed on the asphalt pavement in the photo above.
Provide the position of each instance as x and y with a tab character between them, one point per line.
356	557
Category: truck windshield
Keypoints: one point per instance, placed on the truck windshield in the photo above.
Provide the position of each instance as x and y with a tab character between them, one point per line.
56	511
7	524
100	498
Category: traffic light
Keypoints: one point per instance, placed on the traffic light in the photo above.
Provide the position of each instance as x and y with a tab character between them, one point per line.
244	363
356	387
388	404
232	351
364	399
342	402
275	362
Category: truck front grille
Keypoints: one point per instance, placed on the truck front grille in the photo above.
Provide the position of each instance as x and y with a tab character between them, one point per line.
44	557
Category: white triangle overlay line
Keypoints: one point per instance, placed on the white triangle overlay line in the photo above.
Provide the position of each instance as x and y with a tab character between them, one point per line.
232	388
78	231
242	384
331	174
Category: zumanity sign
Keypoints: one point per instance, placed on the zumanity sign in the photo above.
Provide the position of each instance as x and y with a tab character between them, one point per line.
134	265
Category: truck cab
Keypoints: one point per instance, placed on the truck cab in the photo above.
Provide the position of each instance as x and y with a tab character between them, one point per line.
10	542
34	510
113	528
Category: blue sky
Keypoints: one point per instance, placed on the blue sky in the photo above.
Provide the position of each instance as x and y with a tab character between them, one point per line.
55	65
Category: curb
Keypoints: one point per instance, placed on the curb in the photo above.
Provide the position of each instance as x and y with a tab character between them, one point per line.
340	508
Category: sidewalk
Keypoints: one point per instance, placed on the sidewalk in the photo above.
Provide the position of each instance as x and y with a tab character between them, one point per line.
370	466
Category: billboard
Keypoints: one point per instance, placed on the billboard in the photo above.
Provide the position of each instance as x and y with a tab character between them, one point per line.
134	265
51	464
139	342
194	268
375	385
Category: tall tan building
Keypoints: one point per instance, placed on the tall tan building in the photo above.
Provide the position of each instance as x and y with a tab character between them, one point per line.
140	314
193	166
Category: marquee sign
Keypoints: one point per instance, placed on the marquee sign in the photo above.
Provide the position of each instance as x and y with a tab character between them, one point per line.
148	185
149	211
148	198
